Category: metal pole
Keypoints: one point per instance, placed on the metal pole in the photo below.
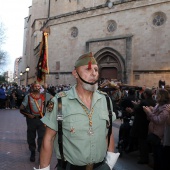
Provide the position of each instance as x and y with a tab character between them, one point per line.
27	79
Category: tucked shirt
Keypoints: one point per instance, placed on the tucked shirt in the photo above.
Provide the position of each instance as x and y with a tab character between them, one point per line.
79	147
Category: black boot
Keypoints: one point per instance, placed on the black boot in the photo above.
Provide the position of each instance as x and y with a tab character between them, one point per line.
32	157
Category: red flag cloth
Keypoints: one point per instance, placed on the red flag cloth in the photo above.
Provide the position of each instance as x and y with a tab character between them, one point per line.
42	66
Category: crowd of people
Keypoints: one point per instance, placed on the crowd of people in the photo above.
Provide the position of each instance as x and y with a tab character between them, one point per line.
11	96
149	111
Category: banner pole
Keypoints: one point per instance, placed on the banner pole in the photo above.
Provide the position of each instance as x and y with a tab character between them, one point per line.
45	84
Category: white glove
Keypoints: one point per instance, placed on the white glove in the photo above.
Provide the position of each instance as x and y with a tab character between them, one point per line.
111	159
47	168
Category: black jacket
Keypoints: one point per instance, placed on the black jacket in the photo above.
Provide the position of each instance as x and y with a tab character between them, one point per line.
140	124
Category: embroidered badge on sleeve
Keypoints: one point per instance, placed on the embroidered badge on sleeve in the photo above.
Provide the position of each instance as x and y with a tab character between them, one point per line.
50	106
72	130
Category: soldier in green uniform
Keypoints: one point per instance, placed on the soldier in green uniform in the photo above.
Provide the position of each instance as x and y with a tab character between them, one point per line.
84	126
32	108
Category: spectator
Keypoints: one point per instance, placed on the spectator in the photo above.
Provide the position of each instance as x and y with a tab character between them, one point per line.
161	83
140	125
158	117
2	97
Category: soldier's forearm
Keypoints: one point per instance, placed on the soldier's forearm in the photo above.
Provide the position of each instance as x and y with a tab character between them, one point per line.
45	155
24	113
111	144
46	148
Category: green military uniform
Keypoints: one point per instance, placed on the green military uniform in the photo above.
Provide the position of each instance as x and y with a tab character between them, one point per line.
33	104
34	125
79	147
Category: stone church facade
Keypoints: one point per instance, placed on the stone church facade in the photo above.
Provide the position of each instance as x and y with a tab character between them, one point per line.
130	39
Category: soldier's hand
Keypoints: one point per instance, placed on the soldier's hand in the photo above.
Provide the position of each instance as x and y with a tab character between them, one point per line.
31	116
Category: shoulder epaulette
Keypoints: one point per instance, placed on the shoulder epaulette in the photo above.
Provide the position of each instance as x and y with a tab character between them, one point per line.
101	92
61	94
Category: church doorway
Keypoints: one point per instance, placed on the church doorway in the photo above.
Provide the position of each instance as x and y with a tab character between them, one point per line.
108	73
111	64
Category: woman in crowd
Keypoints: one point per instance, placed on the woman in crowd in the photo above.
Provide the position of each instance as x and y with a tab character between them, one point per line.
166	140
158	117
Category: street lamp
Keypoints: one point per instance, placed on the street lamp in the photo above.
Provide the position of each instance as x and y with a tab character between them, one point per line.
20	77
109	4
16	79
27	70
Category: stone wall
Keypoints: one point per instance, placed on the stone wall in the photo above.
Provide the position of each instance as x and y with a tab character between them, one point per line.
143	48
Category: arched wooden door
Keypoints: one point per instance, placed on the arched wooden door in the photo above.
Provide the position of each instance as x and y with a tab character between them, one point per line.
110	64
108	73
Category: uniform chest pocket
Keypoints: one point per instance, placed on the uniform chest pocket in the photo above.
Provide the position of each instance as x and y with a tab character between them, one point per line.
103	118
103	123
75	125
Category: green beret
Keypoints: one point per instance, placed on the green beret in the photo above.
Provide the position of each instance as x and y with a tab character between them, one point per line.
86	59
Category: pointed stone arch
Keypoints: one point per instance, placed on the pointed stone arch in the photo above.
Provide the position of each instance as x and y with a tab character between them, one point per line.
111	64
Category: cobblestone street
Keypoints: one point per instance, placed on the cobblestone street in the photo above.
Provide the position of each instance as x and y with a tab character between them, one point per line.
14	153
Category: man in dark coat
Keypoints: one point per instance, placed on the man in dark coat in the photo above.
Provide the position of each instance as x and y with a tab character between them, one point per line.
125	127
140	125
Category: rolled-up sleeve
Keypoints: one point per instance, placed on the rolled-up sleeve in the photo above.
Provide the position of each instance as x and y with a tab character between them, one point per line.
50	118
25	101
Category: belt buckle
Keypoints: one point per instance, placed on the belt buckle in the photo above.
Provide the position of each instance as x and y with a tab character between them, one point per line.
89	167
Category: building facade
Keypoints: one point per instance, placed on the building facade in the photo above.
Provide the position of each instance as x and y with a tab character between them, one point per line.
130	39
8	76
16	74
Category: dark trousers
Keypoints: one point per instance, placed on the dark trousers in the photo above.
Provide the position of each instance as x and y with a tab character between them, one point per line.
124	133
19	101
2	103
157	156
34	126
166	158
143	149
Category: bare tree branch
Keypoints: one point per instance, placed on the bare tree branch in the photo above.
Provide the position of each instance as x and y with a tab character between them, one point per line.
3	54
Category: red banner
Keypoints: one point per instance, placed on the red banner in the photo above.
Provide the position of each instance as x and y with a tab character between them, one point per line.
42	66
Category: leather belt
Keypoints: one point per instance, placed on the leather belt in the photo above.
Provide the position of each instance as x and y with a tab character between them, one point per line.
85	167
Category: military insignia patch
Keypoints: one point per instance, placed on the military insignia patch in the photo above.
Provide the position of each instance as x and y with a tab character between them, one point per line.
61	94
72	130
50	106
